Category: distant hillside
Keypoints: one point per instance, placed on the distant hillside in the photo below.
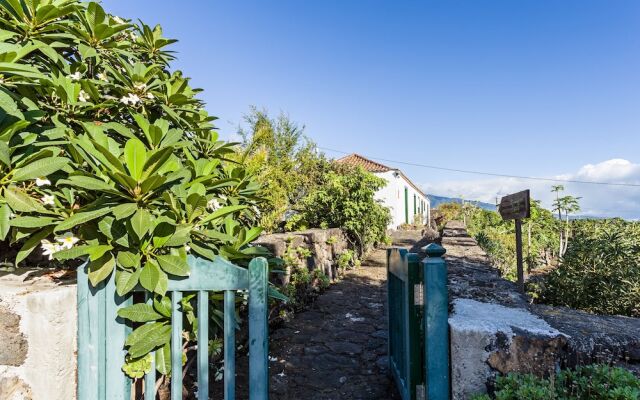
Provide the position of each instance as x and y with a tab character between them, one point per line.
437	200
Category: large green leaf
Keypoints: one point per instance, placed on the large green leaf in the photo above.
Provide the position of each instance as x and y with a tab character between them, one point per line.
141	222
128	259
101	268
32	222
163	359
173	265
124	210
20	201
222	212
148	337
135	155
140	313
150	276
40	168
81	218
5	224
5	154
89	183
94	251
126	281
32	242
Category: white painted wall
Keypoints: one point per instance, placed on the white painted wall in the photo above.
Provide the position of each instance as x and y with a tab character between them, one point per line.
392	196
48	321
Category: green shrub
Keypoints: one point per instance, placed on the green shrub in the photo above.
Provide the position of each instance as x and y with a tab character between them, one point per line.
107	155
593	382
346	200
600	272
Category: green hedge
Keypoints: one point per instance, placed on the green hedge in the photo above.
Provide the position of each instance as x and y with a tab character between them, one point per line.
593	382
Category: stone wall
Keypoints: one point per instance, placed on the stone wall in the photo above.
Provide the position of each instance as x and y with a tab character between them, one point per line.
325	246
494	329
37	337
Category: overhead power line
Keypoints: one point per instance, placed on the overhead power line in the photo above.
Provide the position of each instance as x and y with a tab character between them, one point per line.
466	171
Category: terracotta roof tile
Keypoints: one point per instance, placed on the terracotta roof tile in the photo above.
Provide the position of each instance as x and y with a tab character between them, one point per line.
357	160
372	166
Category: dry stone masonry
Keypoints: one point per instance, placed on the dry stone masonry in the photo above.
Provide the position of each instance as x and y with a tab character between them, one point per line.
495	330
325	246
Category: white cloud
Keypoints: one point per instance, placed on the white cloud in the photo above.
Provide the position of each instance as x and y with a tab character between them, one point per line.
597	200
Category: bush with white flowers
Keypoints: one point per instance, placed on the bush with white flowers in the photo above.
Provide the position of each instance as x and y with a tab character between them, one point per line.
107	156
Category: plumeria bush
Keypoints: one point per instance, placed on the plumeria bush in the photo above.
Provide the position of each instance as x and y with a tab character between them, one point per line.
108	156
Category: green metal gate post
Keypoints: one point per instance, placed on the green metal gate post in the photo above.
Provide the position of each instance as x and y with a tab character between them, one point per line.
405	303
436	326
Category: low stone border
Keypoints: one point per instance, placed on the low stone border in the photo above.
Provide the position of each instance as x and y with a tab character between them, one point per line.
495	330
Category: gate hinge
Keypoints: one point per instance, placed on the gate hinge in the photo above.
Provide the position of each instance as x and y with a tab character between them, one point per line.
418	294
420	393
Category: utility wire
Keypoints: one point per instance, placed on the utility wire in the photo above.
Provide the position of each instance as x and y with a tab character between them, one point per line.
464	171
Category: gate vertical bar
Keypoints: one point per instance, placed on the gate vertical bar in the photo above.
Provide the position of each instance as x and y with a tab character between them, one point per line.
258	328
176	346
413	304
229	345
88	338
118	386
150	377
203	345
436	327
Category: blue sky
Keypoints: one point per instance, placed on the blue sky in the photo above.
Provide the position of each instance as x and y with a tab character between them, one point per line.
530	87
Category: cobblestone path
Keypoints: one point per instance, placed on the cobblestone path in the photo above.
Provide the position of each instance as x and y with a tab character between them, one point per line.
337	349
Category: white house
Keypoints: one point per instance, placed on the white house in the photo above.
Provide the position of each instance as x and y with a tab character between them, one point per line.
405	200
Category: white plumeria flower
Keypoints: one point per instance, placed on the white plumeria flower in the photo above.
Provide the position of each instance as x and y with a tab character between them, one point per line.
48	200
140	86
187	248
42	181
213	204
150	96
133	35
102	76
75	76
49	248
83	96
118	20
67	240
131	99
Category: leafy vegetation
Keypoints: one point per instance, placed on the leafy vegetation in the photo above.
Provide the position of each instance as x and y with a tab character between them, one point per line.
597	382
497	237
107	155
346	200
600	271
592	265
285	162
302	189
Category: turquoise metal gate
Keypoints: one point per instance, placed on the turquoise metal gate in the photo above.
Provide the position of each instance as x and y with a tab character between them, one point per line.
405	361
418	326
102	334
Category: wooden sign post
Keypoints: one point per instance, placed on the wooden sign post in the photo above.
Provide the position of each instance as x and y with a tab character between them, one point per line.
517	206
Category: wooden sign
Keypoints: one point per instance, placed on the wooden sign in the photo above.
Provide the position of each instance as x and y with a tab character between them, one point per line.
515	206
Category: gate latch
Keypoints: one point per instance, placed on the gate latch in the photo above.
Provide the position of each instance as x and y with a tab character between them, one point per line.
418	294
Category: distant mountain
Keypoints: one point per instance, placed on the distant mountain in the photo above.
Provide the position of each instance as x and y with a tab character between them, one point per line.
437	200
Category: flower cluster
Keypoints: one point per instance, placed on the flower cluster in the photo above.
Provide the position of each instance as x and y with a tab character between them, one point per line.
64	242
